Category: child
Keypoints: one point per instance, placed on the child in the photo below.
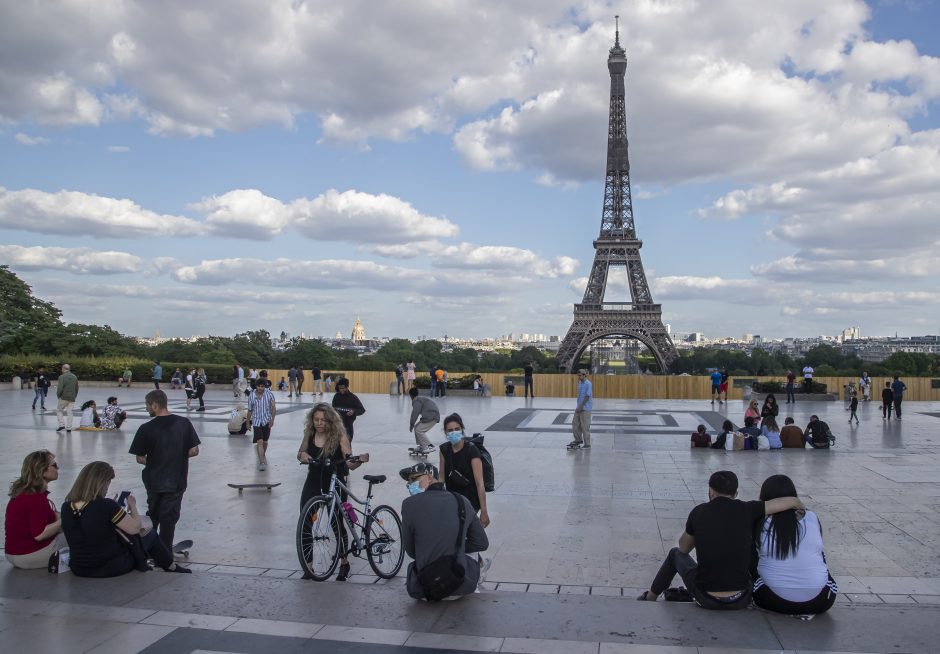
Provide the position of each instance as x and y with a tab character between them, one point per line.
510	389
853	407
700	437
282	385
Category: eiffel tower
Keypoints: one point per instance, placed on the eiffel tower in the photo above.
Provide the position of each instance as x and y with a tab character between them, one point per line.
617	245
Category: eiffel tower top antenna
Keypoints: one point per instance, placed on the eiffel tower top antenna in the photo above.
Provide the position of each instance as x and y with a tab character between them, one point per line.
617	32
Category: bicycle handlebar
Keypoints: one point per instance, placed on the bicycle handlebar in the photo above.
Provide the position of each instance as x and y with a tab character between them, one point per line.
328	461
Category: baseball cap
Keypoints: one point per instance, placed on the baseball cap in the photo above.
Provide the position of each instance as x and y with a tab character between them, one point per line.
583	371
418	469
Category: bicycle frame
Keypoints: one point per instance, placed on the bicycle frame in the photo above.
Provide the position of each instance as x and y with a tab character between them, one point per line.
335	483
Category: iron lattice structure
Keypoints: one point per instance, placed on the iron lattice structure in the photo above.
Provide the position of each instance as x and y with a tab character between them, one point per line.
617	245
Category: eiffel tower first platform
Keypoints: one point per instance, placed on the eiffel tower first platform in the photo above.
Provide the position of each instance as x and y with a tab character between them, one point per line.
617	245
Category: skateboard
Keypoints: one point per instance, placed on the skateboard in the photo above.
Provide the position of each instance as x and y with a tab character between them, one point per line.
418	452
183	548
242	487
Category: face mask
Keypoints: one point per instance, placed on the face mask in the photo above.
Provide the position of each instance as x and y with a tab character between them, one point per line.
414	488
454	437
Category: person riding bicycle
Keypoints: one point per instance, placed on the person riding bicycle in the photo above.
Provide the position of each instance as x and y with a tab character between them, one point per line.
325	439
429	522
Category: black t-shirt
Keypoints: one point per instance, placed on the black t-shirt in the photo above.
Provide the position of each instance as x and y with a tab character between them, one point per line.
461	462
527	371
724	541
316	373
94	546
165	441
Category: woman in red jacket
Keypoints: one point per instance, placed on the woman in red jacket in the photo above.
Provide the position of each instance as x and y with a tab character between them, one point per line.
33	526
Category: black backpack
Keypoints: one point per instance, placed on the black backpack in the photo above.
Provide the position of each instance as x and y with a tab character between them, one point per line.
489	473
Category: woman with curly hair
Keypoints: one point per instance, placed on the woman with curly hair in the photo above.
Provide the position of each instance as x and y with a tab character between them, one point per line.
325	439
33	526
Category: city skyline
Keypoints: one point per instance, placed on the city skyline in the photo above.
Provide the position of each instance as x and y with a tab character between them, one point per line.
440	170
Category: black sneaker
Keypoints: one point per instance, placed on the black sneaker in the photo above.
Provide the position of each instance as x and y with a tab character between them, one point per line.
61	428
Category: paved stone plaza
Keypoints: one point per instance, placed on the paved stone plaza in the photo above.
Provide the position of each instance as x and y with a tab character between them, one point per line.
574	536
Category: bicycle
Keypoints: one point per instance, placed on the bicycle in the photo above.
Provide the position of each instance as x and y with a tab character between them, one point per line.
319	537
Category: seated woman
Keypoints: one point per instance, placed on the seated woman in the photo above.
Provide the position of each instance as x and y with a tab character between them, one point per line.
752	412
90	420
33	527
792	576
727	431
114	416
176	381
772	432
700	437
99	531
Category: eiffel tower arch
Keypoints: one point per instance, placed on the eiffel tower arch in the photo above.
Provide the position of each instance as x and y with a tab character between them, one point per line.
617	246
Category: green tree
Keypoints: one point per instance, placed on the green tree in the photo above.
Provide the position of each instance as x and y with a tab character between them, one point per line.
27	324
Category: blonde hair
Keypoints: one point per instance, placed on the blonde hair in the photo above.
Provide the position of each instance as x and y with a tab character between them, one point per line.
334	432
32	475
91	482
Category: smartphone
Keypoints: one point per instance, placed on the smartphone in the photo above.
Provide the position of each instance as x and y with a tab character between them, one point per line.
122	498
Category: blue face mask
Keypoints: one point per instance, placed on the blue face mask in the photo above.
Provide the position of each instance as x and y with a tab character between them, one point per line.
454	437
414	488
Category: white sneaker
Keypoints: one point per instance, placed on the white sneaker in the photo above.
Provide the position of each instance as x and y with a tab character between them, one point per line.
484	568
261	467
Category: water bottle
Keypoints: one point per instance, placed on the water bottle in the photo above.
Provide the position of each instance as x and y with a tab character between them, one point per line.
351	512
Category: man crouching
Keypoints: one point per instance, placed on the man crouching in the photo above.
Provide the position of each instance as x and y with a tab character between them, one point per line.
439	531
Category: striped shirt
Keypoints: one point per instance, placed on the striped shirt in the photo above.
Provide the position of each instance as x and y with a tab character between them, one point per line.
261	408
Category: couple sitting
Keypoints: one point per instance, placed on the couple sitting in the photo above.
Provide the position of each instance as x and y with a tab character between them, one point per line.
791	575
112	417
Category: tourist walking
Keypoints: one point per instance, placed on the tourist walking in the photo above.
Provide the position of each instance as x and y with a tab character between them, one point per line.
42	388
66	390
865	384
199	384
261	411
853	407
581	422
347	405
897	389
292	381
410	374
164	445
157	374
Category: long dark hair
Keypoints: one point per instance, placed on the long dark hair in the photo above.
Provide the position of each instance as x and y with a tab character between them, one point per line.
784	532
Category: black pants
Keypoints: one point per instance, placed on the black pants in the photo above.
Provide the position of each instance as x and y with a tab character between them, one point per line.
791	397
164	510
885	409
156	384
897	407
529	388
768	599
317	483
200	391
685	566
807	385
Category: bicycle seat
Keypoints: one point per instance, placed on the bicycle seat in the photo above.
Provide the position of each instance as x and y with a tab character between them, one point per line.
374	479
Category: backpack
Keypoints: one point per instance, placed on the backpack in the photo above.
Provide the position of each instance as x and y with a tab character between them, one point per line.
445	574
489	473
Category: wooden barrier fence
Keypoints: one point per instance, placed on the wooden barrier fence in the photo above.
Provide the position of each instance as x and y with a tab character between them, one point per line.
672	387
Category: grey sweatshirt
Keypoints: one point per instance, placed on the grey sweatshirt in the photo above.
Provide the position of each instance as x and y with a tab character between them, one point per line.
424	407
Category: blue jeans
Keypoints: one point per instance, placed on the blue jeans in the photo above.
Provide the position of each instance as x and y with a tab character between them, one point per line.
41	396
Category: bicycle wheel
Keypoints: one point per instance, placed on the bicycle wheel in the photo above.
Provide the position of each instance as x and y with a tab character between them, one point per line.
383	542
318	538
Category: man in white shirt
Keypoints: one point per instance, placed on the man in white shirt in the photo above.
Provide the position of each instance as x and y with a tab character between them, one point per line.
807	378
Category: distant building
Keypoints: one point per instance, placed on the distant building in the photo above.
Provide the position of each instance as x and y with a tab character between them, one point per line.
358	332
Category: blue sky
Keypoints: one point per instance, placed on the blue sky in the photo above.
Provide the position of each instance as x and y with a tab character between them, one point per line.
438	169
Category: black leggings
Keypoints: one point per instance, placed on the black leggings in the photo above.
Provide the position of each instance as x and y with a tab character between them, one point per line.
769	600
200	391
317	482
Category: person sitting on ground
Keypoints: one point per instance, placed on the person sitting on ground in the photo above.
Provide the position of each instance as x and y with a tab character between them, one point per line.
751	431
125	377
510	389
282	385
700	437
113	415
101	533
238	423
770	408
817	434
727	431
792	576
424	415
430	519
176	381
33	528
752	412
90	421
721	531
771	431
791	435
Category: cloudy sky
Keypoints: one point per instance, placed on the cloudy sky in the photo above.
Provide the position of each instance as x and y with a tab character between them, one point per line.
437	168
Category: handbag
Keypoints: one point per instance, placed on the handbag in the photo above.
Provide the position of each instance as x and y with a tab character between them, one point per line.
445	574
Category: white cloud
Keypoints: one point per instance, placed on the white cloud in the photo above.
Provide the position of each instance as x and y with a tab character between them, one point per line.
81	261
74	213
245	213
118	149
26	139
